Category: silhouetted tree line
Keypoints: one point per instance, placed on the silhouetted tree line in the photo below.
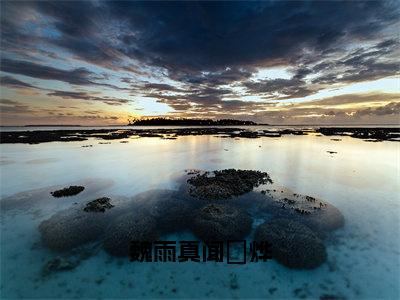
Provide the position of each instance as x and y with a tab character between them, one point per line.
188	122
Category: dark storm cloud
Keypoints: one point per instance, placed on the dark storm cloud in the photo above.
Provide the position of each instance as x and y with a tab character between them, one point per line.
161	87
193	35
280	88
214	35
215	78
192	96
207	47
363	64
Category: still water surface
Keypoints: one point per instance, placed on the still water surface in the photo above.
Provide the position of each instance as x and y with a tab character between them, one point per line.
361	179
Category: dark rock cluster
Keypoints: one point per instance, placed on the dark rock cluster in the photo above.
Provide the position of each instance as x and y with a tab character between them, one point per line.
216	222
172	214
226	183
58	264
68	191
320	216
98	205
70	228
127	228
292	243
43	136
68	262
373	134
220	206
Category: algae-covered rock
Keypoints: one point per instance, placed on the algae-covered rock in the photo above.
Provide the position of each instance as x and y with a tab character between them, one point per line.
70	228
172	211
58	264
127	228
292	243
319	215
226	183
98	205
217	222
68	191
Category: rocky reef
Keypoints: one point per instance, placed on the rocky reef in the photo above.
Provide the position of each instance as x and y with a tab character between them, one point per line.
43	136
68	261
58	264
173	214
127	228
71	228
377	134
98	205
170	208
215	206
318	215
68	191
226	183
217	222
292	244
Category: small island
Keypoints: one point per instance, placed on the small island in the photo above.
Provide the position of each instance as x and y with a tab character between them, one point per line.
187	122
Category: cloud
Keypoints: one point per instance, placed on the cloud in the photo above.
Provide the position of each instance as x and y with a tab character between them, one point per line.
8	102
393	108
280	88
79	76
199	56
86	96
11	110
208	36
363	64
14	83
368	108
353	99
14	107
201	36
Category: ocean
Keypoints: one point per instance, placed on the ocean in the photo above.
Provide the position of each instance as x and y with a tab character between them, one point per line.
359	178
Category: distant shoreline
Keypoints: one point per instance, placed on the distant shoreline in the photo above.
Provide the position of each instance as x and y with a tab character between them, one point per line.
160	121
272	125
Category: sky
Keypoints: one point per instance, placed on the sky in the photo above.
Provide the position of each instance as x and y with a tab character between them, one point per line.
274	62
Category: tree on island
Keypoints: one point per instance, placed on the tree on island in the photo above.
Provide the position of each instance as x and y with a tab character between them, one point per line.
159	121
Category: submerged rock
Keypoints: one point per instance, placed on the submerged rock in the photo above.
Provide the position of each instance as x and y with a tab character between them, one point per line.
58	264
98	205
68	191
226	183
216	222
374	134
326	219
319	215
172	214
69	261
172	211
331	297
292	243
70	228
127	228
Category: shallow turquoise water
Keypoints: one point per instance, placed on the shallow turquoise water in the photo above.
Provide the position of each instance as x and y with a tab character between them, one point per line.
362	180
